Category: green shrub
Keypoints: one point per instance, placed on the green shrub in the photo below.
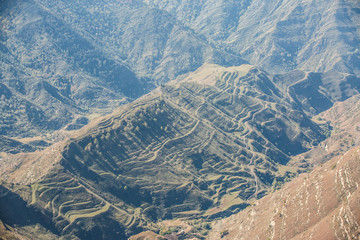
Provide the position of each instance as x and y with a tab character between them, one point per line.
224	233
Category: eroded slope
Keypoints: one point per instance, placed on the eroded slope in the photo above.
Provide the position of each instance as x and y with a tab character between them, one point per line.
323	204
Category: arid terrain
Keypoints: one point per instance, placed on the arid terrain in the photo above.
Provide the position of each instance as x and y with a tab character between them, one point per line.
322	204
211	119
192	149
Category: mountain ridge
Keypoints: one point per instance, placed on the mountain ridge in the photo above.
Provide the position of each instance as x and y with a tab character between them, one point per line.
278	36
79	69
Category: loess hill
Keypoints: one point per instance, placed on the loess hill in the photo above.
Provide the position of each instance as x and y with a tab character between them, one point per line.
202	147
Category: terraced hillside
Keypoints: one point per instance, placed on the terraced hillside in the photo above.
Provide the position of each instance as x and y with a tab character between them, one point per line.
203	147
106	53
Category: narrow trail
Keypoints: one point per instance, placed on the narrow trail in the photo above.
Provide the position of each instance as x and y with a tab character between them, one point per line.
171	140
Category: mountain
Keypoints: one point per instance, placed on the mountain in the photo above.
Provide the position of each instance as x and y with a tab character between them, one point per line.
50	74
317	92
342	134
279	36
343	119
323	204
27	222
63	61
203	146
152	41
153	119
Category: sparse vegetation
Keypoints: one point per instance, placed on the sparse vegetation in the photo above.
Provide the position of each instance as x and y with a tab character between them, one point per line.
201	147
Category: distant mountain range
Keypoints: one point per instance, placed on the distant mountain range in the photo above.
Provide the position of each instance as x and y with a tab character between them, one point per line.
279	36
160	118
63	59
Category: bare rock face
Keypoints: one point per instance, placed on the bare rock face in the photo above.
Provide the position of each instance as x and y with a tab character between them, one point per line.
322	204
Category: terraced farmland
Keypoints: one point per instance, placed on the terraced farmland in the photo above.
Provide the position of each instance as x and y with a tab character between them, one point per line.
188	150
